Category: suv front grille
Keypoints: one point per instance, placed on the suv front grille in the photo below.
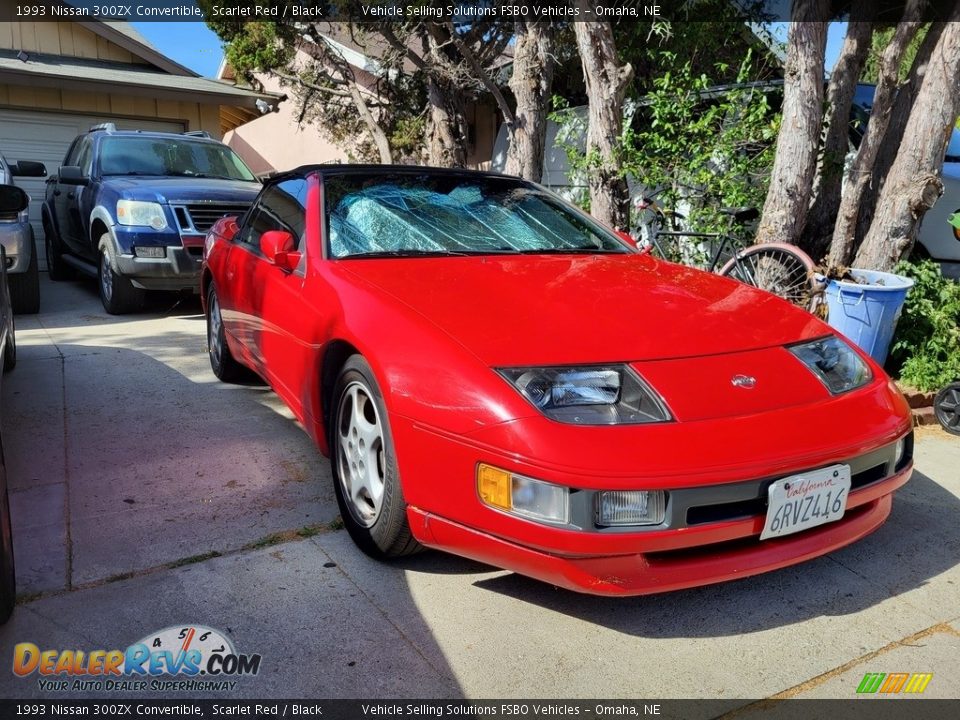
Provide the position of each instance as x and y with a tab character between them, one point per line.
198	218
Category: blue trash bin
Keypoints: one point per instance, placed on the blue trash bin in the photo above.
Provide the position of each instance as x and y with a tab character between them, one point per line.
867	314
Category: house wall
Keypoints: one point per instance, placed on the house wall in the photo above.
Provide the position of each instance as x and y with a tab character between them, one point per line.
62	38
70	39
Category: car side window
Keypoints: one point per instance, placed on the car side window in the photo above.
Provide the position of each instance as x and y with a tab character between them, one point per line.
85	156
281	207
73	152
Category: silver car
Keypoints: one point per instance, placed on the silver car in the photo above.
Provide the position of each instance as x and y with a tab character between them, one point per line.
16	237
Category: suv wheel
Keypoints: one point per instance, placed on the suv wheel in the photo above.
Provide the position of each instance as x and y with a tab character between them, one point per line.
58	269
118	295
25	286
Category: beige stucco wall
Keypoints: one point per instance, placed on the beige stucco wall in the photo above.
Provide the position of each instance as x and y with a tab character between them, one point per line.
276	142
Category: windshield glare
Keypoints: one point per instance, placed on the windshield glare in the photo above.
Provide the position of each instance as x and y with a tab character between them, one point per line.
167	156
424	214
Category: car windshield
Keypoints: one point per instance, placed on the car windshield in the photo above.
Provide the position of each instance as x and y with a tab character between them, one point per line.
412	214
181	157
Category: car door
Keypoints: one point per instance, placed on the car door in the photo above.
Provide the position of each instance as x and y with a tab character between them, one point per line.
263	309
283	341
62	199
76	234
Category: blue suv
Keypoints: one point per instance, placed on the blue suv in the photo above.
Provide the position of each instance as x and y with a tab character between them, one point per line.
132	208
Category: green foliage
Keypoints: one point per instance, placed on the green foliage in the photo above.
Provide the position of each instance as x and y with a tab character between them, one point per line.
880	40
704	149
926	347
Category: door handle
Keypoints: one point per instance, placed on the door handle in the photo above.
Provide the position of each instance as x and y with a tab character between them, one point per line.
56	192
71	195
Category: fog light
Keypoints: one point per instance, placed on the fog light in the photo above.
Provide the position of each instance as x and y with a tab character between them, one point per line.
521	495
898	450
150	251
630	507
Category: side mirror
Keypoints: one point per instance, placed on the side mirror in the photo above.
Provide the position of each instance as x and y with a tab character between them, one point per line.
13	200
72	175
28	168
280	248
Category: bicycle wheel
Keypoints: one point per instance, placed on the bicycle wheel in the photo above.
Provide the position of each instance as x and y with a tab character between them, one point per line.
784	270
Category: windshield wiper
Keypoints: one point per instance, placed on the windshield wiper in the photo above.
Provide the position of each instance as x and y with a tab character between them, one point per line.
207	176
563	251
404	254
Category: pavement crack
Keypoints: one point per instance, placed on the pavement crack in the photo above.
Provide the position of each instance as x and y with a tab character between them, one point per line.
277	538
762	707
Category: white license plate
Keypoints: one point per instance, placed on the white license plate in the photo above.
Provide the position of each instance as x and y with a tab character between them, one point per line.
803	501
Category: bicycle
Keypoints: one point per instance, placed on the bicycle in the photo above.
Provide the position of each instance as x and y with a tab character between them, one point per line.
780	268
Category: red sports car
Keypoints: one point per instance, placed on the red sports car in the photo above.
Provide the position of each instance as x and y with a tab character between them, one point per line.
496	375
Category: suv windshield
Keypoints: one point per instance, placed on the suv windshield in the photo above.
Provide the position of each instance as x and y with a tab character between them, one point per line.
170	156
409	214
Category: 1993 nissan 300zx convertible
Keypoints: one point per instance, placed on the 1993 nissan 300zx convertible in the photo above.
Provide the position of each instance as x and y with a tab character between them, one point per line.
496	375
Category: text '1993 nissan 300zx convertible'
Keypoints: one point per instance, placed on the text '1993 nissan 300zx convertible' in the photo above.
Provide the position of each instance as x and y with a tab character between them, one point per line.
495	374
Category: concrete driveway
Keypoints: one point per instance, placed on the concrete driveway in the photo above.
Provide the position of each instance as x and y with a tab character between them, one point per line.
145	494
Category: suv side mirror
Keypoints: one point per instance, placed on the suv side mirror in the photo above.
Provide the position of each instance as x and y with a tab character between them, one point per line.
627	238
72	175
28	168
280	249
13	200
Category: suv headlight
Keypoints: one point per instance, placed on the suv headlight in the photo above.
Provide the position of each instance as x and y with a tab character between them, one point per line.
138	212
837	365
589	395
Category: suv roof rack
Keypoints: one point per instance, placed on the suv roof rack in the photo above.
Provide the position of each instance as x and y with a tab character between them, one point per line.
107	126
199	133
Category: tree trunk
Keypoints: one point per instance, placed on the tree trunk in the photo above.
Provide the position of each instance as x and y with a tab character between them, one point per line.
913	184
906	96
606	81
531	83
373	127
447	133
840	92
855	184
791	180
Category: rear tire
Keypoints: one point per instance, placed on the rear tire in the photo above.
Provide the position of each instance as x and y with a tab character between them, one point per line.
117	293
222	362
365	473
25	286
57	268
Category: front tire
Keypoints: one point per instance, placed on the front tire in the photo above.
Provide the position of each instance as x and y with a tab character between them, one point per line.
117	293
222	362
364	464
25	286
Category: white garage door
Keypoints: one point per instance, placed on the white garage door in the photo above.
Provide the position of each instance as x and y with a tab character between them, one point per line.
45	137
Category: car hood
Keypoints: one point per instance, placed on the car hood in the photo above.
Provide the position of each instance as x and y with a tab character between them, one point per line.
553	309
172	189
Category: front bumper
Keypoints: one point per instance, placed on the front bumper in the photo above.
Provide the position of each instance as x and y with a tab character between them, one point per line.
15	237
716	474
655	572
179	270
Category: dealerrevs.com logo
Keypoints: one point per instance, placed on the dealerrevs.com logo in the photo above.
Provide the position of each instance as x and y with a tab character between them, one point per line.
201	658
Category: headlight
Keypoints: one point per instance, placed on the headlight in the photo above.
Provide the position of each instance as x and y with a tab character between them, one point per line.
836	364
589	395
524	496
137	212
